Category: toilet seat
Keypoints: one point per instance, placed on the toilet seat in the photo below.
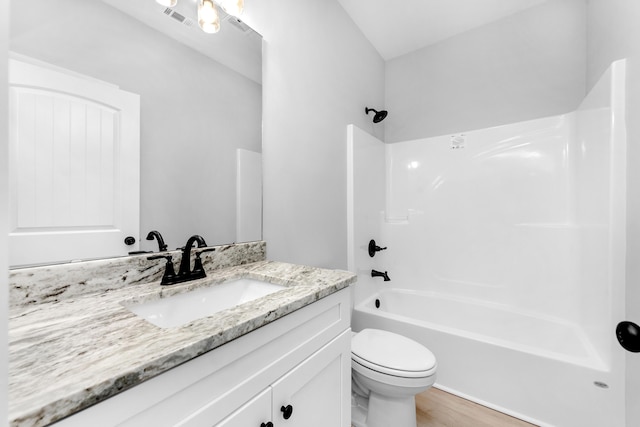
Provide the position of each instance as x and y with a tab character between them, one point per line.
392	354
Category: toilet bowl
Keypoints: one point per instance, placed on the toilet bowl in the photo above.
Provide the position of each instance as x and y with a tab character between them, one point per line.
387	371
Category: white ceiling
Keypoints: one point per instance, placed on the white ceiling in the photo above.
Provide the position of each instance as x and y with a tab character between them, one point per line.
402	26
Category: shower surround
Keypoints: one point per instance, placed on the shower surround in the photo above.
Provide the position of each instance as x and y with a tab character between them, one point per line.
506	256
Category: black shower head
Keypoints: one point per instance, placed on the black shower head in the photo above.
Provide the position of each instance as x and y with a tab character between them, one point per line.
380	115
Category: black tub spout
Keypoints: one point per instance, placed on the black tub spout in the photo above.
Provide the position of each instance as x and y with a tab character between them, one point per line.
375	273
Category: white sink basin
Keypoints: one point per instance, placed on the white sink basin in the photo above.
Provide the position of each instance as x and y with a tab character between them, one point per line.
183	308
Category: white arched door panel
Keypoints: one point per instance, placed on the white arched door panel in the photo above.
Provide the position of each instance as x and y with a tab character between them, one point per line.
74	166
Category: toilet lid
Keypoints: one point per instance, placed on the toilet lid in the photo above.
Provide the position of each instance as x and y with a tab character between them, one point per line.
391	353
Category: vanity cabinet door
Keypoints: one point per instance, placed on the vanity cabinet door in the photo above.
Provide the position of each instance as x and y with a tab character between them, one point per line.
316	393
254	413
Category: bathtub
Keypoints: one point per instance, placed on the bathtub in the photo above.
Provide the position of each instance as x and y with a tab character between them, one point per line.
540	369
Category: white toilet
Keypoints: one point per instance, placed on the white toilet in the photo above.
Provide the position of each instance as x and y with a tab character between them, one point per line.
387	371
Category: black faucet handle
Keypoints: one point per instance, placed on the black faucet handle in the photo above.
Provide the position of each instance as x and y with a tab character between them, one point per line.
198	269
169	275
373	248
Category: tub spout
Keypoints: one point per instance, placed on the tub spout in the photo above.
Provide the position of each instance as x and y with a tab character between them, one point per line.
375	273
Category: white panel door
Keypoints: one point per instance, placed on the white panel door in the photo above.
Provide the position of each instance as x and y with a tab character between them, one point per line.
74	166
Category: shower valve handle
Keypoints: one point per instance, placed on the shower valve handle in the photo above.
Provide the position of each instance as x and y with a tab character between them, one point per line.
373	248
628	334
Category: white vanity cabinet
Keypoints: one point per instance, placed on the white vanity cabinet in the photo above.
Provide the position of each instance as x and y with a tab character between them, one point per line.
301	361
312	394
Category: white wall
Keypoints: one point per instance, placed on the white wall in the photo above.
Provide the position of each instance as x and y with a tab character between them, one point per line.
194	111
613	33
4	198
525	66
319	74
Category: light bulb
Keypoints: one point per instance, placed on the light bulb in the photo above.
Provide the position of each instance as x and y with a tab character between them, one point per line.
168	3
207	11
208	18
232	7
209	27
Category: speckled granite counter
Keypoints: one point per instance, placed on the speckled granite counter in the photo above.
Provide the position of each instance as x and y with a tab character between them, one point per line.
69	354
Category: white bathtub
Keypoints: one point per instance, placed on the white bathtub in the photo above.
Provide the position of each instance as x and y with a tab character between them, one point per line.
539	369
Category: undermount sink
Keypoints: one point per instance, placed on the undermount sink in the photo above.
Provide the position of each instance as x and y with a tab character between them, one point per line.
183	308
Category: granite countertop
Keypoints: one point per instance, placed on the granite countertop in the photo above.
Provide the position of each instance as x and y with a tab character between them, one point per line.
65	356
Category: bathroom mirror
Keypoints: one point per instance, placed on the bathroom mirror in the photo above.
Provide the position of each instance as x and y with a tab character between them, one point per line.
200	102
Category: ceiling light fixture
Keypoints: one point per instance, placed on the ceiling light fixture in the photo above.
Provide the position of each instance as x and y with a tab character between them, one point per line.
208	18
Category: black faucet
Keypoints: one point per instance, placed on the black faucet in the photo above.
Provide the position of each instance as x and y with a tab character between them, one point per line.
375	273
185	263
161	245
185	273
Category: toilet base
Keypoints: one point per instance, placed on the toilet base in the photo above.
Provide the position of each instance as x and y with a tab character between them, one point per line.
383	411
359	409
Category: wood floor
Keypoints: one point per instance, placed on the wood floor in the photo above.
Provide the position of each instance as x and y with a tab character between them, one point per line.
436	408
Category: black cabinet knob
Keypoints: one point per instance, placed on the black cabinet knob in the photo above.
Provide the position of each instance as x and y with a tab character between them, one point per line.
129	240
269	424
287	411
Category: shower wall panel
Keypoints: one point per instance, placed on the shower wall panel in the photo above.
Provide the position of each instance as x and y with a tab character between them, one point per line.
599	167
487	215
528	215
365	207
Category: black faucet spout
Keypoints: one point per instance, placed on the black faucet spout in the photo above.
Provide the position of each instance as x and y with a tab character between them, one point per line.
384	275
156	234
